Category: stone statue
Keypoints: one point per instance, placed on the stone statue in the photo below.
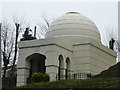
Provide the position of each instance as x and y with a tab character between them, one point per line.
27	36
111	43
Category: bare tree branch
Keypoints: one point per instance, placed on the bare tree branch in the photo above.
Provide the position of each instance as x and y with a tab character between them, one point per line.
7	44
107	35
44	25
117	46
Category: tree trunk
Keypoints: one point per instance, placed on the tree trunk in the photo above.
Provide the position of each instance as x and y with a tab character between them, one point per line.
15	55
5	63
4	73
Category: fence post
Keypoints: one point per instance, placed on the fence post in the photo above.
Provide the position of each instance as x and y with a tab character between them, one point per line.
74	75
66	74
56	77
58	73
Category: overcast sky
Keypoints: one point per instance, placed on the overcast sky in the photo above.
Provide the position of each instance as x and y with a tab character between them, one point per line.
103	14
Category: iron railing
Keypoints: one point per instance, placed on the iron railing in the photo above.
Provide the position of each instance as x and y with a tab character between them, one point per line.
74	76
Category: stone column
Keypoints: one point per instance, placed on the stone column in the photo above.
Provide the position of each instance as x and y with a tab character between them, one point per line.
51	64
22	70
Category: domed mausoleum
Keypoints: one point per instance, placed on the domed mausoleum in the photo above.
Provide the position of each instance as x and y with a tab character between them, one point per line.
71	49
72	25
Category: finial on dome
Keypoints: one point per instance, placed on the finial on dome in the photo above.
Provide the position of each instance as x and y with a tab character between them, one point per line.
72	13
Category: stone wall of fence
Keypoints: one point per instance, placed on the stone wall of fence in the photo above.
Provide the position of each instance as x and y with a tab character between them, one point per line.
8	82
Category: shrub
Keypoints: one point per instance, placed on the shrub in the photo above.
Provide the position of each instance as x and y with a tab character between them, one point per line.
39	77
46	77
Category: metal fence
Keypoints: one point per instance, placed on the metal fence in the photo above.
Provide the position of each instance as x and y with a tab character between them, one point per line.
69	76
74	76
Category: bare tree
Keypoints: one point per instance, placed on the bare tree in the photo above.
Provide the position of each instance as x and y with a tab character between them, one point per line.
44	24
7	44
109	37
18	22
118	46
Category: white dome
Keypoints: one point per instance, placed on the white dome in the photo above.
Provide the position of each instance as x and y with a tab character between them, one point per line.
73	24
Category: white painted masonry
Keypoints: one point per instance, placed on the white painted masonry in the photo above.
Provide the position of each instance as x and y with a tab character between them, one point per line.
70	35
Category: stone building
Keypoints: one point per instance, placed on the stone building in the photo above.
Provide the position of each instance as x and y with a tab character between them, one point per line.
71	45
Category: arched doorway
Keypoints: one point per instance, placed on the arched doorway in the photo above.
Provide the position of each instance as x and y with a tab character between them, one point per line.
61	67
67	67
37	63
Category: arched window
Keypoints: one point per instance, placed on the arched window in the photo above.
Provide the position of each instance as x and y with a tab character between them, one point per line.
67	67
61	67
